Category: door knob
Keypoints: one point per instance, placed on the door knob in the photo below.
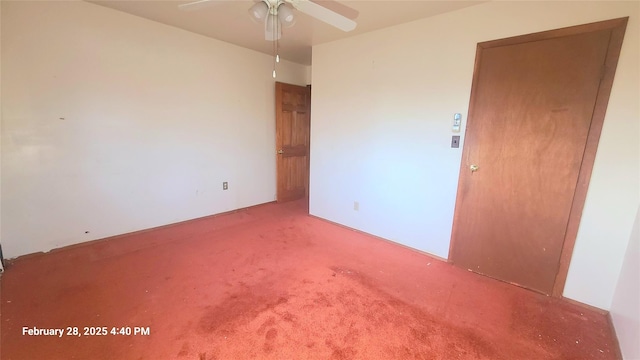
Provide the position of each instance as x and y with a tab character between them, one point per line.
473	168
280	151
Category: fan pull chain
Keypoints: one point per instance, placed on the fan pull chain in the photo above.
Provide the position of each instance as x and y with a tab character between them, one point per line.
276	23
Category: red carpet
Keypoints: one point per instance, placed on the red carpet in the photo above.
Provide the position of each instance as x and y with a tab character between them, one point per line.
273	283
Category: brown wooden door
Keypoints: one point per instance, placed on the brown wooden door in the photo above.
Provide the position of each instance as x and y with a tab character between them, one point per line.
292	141
531	112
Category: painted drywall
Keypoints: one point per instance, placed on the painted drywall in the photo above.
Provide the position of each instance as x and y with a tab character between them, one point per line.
625	310
1	265
113	123
383	106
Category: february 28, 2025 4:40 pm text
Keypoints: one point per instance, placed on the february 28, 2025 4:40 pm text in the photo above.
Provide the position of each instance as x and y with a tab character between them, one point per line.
87	331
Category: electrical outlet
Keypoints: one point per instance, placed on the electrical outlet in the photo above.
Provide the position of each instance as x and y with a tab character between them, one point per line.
356	206
225	185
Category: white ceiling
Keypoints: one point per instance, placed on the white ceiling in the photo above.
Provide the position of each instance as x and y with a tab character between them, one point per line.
229	21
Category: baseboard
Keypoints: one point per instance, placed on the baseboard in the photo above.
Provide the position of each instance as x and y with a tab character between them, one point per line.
586	306
435	257
616	344
1	260
138	232
607	314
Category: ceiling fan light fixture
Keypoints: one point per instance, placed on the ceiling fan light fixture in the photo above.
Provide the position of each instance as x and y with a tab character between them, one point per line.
259	11
285	15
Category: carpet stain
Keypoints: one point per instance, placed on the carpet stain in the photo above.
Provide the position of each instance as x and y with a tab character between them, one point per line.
356	314
271	334
184	350
321	299
341	353
238	307
270	337
289	317
385	312
267	323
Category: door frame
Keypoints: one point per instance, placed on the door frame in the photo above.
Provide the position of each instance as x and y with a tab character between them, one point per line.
617	27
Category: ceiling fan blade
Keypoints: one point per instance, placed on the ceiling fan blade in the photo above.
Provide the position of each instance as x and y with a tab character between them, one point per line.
197	5
323	14
339	8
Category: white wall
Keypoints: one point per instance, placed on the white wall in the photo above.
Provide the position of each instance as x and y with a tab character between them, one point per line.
1	266
625	310
155	119
383	104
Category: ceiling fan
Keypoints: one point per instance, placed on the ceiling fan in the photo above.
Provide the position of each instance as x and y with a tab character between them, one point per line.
278	13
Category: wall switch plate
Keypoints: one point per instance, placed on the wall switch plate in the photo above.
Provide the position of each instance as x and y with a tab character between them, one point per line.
225	185
455	141
356	206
